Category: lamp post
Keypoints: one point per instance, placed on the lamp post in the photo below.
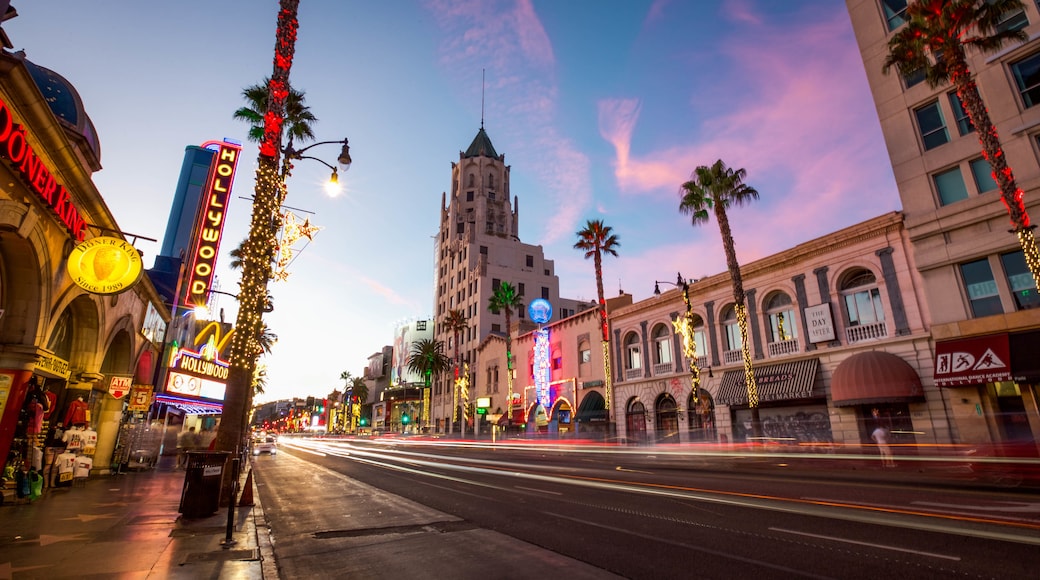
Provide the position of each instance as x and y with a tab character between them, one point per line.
684	328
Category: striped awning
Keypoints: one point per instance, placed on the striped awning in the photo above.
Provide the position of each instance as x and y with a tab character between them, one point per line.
776	382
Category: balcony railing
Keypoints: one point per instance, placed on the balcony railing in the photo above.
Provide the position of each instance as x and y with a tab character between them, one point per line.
730	357
864	332
663	368
783	347
633	374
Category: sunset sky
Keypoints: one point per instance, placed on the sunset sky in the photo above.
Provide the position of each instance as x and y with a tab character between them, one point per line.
601	107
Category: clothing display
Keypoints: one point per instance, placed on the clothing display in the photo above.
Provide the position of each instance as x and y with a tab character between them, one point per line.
83	464
35	418
65	463
88	438
73	439
77	413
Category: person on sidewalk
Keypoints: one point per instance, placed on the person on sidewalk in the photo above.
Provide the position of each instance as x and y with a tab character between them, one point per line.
880	436
185	443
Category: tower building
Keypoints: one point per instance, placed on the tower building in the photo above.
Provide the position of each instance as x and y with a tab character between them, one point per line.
478	248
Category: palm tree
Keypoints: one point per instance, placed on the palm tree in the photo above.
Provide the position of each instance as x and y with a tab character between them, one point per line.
595	240
427	358
360	389
298	116
506	298
716	188
935	39
455	321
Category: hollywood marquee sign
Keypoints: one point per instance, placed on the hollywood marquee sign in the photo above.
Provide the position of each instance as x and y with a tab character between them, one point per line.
15	148
209	223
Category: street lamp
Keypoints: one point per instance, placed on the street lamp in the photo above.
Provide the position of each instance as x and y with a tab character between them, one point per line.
684	328
344	160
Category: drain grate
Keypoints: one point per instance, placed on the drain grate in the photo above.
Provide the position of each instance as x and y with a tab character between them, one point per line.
222	556
438	527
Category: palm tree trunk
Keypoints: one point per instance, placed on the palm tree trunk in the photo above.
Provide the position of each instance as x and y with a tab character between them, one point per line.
1010	194
607	385
509	365
741	309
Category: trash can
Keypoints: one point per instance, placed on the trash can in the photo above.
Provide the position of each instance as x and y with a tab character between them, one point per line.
200	496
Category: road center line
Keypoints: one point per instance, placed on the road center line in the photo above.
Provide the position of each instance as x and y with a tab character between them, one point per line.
858	543
537	490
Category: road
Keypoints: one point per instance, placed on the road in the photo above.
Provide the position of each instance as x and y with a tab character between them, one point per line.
412	508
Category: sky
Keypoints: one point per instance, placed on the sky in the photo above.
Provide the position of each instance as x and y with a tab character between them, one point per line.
603	108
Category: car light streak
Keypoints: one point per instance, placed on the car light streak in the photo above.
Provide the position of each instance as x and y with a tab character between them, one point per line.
887	516
868	544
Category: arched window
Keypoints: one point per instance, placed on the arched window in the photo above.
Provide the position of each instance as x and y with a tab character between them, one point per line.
667	419
491	181
662	339
472	180
702	343
862	298
780	318
730	328
633	360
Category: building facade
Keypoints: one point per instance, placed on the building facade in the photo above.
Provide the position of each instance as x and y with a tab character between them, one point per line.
77	354
478	248
839	343
981	296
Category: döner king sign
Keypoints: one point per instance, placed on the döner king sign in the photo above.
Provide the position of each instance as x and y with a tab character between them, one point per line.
15	148
105	265
209	223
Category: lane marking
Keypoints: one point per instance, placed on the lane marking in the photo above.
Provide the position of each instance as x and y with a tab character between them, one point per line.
1018	507
868	544
538	490
619	468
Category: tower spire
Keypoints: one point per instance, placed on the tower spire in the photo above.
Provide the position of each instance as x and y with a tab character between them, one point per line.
482	98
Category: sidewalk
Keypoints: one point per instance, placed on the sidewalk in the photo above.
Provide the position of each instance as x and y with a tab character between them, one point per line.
128	526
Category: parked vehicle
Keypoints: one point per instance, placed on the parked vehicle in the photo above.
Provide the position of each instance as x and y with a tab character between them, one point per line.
268	444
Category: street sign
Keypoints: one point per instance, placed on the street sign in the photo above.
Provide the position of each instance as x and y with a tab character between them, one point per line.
120	386
482	410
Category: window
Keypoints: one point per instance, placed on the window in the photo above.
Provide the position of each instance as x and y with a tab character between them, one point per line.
895	12
912	78
1023	287
1012	20
1027	77
521	309
472	180
950	186
862	299
460	228
520	289
731	330
931	124
662	344
530	261
780	316
483	250
981	288
491	196
960	116
495	283
632	352
491	180
983	174
585	353
545	292
469	196
496	327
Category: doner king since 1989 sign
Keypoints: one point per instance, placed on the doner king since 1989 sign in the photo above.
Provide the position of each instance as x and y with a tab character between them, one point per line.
105	265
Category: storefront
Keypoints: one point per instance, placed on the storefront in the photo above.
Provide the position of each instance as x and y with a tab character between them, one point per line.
882	389
991	381
65	334
792	408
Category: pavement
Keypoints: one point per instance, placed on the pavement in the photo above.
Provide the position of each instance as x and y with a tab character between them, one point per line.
128	526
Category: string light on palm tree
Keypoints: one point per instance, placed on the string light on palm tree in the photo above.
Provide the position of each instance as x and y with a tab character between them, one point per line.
506	299
683	326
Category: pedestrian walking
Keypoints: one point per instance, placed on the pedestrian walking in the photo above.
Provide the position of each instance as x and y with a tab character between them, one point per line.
186	441
880	436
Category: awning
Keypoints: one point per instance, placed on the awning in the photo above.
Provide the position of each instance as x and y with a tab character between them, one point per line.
776	382
191	406
592	409
875	377
1025	357
972	361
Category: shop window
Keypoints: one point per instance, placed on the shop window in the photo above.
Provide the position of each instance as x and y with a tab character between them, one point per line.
633	360
730	329
1020	280
981	288
932	126
780	318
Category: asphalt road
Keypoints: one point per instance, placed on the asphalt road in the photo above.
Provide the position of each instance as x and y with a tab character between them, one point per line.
427	509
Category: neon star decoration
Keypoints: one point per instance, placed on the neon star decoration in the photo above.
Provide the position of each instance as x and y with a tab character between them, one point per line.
292	232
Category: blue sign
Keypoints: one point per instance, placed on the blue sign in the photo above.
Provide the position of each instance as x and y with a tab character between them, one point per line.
539	310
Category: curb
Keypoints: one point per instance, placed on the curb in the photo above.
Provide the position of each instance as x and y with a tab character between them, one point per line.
264	541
